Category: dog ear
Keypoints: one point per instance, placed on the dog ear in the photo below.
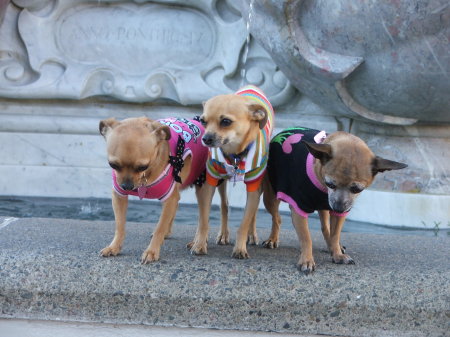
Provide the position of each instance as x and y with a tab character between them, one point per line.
161	131
380	165
319	151
258	113
106	125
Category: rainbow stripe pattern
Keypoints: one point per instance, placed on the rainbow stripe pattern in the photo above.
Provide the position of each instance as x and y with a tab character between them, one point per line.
253	166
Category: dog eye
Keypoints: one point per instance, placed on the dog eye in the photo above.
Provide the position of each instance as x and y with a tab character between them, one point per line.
141	168
225	122
356	189
114	166
330	185
202	121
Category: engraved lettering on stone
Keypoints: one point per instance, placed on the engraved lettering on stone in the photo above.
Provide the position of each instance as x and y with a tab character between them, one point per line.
152	36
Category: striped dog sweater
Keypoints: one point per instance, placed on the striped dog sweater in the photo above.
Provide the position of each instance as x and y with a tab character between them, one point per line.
252	166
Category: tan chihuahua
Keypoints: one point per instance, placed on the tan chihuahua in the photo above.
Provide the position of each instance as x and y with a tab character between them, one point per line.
311	171
154	160
238	128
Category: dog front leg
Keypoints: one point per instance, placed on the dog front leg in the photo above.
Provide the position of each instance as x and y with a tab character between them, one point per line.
169	208
223	238
324	216
120	206
252	238
306	262
204	198
337	254
169	229
240	248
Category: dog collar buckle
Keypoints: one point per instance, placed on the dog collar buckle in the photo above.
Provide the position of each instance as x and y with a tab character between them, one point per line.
236	162
233	171
142	191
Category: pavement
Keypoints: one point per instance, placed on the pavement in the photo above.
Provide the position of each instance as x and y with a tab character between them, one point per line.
50	270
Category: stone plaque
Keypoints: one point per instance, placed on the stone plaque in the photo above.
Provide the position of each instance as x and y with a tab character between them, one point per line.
157	36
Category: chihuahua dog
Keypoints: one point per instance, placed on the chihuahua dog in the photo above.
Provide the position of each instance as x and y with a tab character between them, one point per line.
238	128
154	160
311	171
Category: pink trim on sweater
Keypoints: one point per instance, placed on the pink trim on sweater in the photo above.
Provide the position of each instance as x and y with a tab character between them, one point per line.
312	175
284	197
338	214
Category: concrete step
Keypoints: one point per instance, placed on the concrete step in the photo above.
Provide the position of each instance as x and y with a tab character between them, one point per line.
50	270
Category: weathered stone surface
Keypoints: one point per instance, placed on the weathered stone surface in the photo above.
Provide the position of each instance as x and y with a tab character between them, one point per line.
3	4
381	61
50	269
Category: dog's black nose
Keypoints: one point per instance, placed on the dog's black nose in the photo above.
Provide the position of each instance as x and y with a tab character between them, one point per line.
127	185
340	207
208	139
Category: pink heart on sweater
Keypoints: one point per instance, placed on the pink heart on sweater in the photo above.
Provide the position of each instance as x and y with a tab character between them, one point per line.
292	139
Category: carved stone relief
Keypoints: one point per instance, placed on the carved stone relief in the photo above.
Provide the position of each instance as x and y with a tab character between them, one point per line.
135	51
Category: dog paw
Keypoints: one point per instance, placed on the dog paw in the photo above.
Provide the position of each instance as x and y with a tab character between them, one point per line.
270	244
342	259
252	239
150	255
166	236
197	248
306	265
240	254
342	248
110	251
223	239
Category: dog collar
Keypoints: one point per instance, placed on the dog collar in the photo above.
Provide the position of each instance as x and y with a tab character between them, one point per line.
233	170
236	158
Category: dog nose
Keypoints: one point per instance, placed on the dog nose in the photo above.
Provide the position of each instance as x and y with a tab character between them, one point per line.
340	207
127	185
208	139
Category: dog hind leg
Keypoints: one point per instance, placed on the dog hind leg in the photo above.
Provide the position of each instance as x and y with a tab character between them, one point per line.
272	205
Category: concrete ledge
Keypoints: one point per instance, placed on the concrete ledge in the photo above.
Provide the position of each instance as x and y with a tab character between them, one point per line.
50	269
412	210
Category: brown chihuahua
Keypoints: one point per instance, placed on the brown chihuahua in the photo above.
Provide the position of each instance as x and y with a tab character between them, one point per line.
311	171
154	160
238	128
